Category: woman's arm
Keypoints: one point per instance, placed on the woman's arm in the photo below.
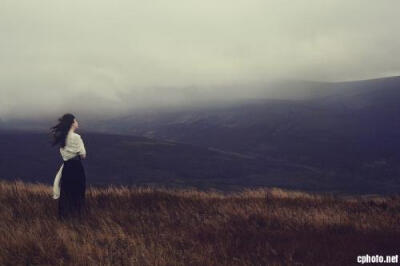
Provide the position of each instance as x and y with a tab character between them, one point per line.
82	150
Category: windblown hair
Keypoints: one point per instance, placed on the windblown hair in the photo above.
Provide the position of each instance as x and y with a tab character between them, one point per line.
60	131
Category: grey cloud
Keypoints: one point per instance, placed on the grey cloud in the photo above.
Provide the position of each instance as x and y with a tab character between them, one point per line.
116	56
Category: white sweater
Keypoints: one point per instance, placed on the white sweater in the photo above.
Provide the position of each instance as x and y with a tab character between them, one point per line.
73	146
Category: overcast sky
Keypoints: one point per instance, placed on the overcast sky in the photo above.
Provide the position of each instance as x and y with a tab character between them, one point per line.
102	56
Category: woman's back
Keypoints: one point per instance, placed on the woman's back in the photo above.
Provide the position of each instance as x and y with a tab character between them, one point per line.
73	146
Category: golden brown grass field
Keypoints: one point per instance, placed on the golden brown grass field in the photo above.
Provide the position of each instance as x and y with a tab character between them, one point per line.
158	226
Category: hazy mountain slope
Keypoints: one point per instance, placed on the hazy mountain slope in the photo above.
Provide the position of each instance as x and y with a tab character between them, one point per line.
359	111
352	132
342	136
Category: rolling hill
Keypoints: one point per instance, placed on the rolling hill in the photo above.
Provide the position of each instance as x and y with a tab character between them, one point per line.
347	131
341	137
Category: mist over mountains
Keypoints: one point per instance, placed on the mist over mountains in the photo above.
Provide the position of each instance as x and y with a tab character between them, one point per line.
312	135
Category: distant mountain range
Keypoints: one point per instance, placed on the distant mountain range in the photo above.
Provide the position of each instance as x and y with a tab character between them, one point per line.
311	135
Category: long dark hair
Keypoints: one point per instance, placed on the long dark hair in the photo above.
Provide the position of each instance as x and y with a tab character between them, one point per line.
60	131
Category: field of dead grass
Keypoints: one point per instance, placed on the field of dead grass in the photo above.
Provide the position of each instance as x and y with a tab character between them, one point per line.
158	226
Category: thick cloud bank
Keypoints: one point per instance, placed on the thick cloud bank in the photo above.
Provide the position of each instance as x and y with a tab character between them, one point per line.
100	56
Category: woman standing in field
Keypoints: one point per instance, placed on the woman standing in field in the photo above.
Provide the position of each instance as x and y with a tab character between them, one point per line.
70	181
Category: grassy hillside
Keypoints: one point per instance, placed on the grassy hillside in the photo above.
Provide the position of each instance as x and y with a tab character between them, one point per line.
148	226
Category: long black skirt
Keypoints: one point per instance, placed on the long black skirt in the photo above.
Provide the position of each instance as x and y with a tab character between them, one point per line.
71	203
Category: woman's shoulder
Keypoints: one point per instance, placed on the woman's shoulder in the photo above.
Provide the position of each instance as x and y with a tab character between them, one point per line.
75	135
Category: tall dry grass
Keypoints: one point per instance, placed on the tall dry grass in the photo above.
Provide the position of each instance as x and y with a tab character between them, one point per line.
148	226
